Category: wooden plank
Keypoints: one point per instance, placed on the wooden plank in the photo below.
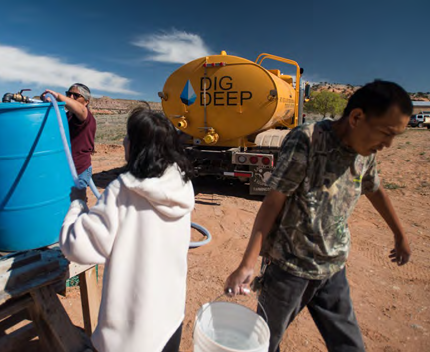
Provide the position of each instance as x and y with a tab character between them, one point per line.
46	338
49	279
18	259
50	268
76	269
65	334
60	287
13	320
16	340
15	306
19	276
90	299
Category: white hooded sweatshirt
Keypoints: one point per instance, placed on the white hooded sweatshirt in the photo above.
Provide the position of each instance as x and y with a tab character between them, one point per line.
140	230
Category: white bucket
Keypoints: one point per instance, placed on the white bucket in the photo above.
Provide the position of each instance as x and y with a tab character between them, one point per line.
231	327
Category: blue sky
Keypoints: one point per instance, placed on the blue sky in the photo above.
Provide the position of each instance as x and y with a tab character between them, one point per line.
127	49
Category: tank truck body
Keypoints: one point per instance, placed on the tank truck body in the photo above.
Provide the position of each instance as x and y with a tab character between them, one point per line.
233	114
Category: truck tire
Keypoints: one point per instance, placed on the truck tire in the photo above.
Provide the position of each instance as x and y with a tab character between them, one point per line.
420	125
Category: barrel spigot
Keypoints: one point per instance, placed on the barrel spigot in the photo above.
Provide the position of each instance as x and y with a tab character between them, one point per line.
211	136
18	97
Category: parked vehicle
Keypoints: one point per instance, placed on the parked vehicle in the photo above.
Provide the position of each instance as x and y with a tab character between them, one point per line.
413	121
233	114
419	120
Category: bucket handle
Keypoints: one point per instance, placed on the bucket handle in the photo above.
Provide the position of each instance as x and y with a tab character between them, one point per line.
248	293
246	290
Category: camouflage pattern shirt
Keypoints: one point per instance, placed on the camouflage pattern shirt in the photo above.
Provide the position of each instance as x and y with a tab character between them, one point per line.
323	180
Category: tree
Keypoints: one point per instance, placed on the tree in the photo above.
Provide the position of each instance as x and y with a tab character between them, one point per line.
338	104
326	103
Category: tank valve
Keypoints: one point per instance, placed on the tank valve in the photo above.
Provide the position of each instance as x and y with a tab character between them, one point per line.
211	137
162	95
182	123
272	94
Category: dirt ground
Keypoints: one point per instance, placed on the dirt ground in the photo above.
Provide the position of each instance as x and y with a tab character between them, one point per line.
392	303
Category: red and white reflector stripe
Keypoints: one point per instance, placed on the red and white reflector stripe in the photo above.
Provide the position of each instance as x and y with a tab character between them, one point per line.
238	174
214	64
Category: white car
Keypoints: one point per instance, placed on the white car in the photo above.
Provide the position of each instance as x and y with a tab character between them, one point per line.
423	119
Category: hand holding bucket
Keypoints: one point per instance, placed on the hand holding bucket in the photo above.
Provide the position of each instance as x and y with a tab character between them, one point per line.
237	283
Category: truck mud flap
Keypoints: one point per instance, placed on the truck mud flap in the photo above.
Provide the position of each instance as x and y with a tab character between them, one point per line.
258	181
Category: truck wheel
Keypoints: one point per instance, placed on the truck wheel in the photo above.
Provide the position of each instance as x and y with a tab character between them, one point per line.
420	125
428	127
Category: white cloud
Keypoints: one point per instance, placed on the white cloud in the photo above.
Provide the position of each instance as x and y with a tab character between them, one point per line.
18	65
175	47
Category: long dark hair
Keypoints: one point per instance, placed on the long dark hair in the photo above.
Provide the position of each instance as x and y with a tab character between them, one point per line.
154	146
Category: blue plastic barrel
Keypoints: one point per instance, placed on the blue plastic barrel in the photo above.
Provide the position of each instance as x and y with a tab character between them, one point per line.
35	180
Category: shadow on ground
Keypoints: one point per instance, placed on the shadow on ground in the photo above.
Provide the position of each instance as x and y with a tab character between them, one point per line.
203	186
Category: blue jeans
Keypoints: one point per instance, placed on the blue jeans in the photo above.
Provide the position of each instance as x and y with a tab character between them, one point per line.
85	177
283	296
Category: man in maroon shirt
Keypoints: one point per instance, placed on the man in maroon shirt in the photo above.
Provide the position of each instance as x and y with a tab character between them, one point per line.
82	127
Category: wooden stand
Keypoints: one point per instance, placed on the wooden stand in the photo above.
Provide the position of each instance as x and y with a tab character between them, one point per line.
29	282
89	294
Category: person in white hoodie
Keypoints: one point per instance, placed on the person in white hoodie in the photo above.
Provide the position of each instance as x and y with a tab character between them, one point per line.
140	230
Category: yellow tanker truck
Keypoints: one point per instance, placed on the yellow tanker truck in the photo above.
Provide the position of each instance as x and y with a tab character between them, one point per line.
233	114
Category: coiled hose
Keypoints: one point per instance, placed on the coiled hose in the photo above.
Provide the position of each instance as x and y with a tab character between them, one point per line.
93	187
204	232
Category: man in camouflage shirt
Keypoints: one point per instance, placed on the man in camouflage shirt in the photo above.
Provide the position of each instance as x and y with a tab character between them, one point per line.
322	180
301	228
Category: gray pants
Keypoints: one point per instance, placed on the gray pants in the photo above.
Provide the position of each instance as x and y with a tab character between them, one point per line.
283	296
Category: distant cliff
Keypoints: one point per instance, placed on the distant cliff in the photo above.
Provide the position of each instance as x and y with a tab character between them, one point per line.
108	106
347	90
